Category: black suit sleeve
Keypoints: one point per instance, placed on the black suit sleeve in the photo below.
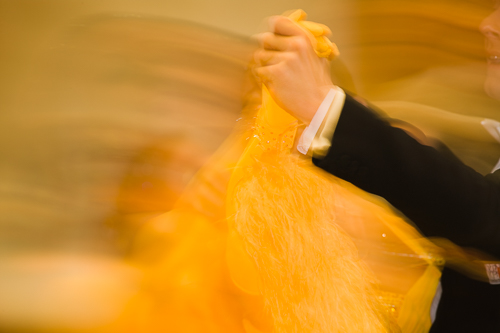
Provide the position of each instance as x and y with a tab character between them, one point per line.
441	195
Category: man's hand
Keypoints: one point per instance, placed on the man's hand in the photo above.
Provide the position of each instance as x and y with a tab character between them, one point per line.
297	78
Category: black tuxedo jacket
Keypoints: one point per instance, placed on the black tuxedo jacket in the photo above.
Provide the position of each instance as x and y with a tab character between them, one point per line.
441	195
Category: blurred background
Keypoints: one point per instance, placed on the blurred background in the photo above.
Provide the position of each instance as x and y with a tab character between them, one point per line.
109	108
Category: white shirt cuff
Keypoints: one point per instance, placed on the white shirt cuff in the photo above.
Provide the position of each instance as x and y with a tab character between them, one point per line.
307	137
493	127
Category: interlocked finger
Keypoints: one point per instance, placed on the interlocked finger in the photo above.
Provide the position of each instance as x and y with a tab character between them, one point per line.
284	26
267	58
265	73
270	41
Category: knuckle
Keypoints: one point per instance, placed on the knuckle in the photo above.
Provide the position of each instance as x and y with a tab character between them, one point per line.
298	43
267	39
267	35
258	55
278	21
302	42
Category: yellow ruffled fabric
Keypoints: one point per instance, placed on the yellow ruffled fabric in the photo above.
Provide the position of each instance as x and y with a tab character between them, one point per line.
291	239
297	250
283	247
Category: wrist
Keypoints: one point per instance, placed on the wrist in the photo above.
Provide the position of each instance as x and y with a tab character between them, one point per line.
313	103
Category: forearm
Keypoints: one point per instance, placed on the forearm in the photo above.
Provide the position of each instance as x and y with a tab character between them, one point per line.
440	195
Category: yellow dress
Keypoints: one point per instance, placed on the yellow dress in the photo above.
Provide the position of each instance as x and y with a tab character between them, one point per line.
298	250
295	231
324	255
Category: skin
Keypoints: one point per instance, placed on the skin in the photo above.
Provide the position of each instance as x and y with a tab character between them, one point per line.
299	81
490	27
296	77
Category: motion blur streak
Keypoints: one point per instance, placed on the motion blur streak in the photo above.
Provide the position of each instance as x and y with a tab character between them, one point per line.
102	130
106	118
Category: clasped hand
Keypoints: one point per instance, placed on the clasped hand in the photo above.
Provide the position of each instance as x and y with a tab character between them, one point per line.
287	64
